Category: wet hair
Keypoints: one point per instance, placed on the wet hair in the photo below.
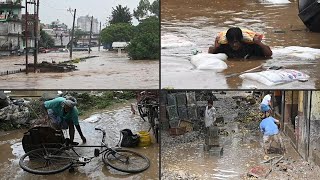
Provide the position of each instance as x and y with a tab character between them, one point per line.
233	34
268	92
210	101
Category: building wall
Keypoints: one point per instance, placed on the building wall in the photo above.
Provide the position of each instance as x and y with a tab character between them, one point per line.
315	127
84	23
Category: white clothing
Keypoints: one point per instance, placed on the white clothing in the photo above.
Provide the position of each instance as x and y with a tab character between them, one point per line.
266	99
210	116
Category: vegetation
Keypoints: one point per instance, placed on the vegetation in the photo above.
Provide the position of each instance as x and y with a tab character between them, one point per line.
45	40
144	38
120	15
145	9
120	32
146	42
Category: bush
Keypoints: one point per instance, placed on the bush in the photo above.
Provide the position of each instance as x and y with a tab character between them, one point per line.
120	32
146	42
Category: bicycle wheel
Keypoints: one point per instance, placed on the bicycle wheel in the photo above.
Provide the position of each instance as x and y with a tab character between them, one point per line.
126	161
39	161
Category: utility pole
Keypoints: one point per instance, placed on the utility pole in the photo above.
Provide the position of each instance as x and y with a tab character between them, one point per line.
99	44
35	24
26	36
90	34
72	33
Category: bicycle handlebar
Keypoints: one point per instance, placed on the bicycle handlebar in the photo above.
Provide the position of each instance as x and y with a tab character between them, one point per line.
98	129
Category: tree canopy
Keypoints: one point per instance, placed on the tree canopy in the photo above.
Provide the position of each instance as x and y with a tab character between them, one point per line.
45	40
120	32
145	9
120	14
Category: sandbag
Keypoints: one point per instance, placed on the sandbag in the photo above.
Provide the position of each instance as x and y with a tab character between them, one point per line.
274	77
247	36
206	61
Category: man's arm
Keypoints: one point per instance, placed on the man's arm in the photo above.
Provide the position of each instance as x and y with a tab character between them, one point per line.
214	49
80	133
265	49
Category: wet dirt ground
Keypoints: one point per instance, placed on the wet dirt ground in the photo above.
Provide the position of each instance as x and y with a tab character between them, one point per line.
107	71
183	157
193	24
112	120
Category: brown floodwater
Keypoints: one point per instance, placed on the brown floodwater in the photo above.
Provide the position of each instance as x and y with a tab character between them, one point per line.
112	121
193	24
242	150
107	71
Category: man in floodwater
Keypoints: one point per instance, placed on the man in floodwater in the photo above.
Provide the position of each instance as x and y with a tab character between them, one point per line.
209	119
236	48
270	130
63	113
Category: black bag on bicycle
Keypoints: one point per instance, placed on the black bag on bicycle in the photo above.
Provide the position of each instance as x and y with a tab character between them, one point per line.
129	139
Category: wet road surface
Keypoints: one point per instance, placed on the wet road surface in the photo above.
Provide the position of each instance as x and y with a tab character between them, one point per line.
112	121
108	71
193	24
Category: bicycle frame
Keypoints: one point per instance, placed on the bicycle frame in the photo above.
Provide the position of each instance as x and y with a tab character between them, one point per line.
81	160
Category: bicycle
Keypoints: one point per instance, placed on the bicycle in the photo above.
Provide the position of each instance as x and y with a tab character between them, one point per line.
149	107
44	161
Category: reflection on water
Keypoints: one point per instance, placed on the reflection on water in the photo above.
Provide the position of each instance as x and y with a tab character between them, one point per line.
193	24
112	121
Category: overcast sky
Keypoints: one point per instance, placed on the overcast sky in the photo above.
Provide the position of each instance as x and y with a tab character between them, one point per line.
51	10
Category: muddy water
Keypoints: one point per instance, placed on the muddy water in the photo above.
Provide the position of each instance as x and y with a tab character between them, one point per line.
96	73
112	121
193	24
242	150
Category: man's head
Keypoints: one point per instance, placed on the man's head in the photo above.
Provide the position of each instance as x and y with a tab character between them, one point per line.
234	37
69	103
210	103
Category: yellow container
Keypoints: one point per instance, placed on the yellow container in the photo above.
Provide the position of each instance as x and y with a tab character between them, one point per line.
145	139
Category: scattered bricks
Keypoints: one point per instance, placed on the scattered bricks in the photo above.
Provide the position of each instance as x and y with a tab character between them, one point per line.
177	131
171	100
181	99
216	151
187	124
172	112
192	111
182	112
191	98
174	124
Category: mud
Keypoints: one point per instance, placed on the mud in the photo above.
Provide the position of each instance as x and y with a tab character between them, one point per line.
190	25
95	73
112	120
183	157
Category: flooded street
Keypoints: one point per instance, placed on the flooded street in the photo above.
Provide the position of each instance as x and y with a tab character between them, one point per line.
192	25
112	121
95	73
184	156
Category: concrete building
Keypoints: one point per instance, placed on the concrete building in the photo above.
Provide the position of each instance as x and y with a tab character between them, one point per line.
10	26
84	23
30	30
59	32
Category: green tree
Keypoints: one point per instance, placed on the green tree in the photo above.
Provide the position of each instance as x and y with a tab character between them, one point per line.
120	15
154	8
145	9
45	40
120	32
146	41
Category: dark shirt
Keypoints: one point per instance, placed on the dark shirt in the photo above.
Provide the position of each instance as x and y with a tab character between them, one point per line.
245	50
